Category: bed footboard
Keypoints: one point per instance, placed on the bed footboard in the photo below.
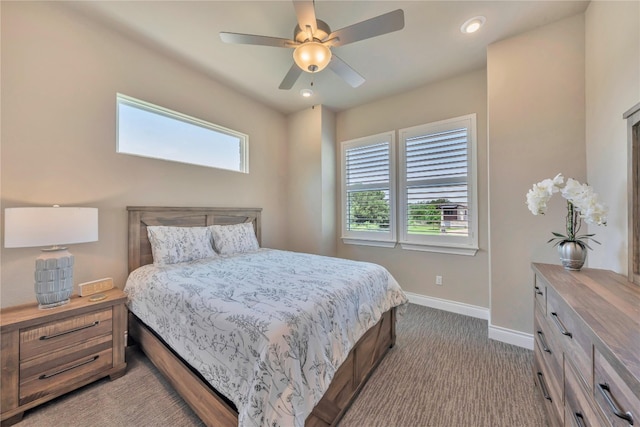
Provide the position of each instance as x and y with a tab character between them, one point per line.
216	412
351	377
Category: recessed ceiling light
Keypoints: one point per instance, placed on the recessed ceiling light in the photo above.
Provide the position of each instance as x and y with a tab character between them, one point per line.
306	93
472	25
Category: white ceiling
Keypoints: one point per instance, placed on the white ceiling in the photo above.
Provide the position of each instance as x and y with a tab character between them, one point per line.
429	48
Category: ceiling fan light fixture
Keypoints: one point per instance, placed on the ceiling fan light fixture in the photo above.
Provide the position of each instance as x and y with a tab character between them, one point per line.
472	25
306	93
312	56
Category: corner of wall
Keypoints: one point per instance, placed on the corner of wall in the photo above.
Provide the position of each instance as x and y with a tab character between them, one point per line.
329	182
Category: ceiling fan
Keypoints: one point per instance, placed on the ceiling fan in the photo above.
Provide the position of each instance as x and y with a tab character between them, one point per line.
313	39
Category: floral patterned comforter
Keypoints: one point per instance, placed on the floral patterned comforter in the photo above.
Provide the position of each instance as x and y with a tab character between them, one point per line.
268	329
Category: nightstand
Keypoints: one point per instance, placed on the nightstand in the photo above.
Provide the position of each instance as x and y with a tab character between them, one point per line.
47	353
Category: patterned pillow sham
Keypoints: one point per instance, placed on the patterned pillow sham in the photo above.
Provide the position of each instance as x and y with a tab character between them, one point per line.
233	239
170	245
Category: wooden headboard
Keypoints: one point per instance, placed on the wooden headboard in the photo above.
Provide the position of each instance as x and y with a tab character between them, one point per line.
140	217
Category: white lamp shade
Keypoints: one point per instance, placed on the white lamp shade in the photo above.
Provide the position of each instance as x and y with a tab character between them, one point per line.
48	226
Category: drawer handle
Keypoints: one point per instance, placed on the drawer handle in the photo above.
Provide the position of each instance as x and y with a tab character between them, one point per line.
77	365
538	291
543	386
543	342
59	334
579	419
560	326
608	397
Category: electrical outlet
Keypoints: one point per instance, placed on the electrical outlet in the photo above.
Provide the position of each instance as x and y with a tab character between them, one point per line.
439	280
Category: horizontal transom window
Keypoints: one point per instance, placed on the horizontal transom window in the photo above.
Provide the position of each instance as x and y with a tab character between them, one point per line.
149	130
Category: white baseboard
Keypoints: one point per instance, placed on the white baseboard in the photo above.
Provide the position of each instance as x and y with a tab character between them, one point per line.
498	333
448	305
510	336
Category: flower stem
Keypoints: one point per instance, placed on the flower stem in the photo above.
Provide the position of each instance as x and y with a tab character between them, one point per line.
573	221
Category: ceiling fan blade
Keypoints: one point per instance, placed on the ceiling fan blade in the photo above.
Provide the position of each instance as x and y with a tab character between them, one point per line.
306	14
383	24
347	73
257	40
291	77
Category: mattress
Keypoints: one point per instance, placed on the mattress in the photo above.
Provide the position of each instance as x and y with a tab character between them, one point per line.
267	329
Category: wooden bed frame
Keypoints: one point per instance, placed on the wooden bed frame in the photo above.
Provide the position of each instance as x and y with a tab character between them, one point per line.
207	403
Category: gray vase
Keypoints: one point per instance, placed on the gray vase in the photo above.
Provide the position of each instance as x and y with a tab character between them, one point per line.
572	254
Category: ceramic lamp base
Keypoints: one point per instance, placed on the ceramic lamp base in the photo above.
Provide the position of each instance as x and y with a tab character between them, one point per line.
54	278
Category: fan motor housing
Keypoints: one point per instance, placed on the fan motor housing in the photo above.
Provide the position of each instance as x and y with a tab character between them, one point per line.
322	32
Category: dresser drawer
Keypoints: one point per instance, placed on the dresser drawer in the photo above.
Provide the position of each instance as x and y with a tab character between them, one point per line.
615	399
539	295
53	336
569	330
52	371
547	345
578	411
549	388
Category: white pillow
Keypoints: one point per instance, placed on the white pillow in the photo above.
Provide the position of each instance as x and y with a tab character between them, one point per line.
170	245
233	239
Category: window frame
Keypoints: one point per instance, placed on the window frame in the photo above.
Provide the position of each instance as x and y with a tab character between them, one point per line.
368	238
459	245
243	139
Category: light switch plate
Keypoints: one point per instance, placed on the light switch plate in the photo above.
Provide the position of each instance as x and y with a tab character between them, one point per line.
95	286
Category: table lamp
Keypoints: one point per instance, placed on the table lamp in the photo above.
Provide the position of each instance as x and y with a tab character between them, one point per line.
51	226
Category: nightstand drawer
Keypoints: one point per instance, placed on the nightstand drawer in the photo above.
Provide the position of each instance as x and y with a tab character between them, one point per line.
64	333
47	374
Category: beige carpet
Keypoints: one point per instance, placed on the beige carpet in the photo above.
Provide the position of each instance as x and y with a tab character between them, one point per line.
443	371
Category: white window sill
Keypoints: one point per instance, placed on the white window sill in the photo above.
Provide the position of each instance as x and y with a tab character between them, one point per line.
368	242
443	249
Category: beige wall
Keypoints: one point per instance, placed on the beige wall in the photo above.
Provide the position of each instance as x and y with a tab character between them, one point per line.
536	96
613	86
304	162
60	75
311	187
465	278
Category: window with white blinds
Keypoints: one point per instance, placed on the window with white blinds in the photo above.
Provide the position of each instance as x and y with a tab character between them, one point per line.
437	195
368	196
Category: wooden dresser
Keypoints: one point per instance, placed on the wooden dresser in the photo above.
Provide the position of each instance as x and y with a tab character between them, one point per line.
587	346
46	353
